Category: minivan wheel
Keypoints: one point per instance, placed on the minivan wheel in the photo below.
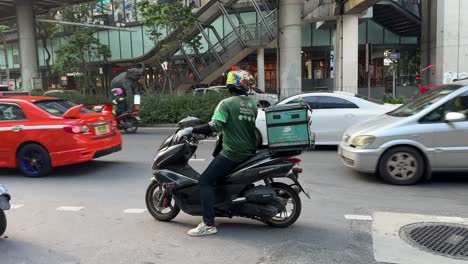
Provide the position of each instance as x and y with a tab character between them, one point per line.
401	166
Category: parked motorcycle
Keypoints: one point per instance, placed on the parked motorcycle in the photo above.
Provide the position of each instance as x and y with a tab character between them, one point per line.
4	205
250	190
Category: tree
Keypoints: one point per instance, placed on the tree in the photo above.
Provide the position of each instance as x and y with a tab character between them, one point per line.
163	19
45	31
76	55
4	28
82	13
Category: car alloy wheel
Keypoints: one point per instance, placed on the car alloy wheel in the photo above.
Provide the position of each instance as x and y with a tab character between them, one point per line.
34	160
402	165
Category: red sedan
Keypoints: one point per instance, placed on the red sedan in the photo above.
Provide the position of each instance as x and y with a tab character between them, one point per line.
38	133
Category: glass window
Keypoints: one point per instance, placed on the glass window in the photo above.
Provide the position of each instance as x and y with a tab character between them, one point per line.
199	92
137	41
434	116
310	100
320	37
459	105
257	90
58	107
212	92
362	33
328	102
391	38
307	35
125	41
249	17
114	44
415	106
409	40
374	33
11	112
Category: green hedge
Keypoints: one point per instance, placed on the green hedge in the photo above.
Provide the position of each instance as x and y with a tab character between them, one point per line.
388	98
171	109
157	109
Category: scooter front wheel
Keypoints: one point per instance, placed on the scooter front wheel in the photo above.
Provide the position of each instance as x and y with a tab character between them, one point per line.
164	210
3	222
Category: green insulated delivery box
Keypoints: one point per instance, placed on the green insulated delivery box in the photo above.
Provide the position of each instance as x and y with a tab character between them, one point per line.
288	127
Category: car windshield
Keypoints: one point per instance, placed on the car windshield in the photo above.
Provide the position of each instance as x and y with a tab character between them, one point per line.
257	90
58	107
420	103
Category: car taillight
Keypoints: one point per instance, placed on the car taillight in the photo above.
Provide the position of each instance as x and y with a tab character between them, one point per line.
114	124
76	129
294	160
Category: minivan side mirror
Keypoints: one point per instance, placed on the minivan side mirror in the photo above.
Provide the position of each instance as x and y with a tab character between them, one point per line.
454	117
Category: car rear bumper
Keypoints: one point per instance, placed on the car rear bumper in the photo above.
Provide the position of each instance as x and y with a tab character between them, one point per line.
104	152
87	150
364	160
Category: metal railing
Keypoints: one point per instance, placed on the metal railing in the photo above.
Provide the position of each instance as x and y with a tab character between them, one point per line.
191	65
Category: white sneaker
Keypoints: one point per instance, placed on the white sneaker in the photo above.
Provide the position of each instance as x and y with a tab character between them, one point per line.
203	230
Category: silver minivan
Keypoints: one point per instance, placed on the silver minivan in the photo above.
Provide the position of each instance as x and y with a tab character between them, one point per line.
429	133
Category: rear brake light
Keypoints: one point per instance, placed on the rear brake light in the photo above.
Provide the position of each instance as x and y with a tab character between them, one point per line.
294	160
114	124
76	129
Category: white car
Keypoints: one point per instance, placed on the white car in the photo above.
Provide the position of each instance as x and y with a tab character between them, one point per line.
332	114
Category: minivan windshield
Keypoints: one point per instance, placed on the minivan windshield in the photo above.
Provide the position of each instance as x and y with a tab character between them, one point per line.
420	103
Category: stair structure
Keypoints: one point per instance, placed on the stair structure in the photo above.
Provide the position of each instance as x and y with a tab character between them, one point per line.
191	65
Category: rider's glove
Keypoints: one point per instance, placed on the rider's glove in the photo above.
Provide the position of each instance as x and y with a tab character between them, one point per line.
182	133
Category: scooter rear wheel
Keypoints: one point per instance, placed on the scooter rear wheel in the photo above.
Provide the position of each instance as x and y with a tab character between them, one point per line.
130	125
3	222
168	211
293	206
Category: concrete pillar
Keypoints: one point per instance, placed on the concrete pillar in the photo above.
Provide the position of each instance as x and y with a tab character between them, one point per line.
346	54
290	47
444	40
261	69
27	43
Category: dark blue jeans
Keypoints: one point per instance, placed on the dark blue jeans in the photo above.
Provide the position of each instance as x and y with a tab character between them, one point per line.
216	171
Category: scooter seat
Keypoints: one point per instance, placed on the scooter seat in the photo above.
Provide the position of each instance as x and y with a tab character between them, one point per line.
260	154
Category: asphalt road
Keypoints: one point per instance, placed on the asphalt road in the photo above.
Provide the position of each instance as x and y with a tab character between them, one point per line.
80	214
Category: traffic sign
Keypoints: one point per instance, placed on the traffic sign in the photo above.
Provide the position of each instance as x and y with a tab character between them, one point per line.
394	56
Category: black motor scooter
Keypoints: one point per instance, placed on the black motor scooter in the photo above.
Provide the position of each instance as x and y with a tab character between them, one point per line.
4	205
250	190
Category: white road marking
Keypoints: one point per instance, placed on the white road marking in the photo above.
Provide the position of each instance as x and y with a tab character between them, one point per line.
16	206
134	211
359	217
69	208
197	159
450	219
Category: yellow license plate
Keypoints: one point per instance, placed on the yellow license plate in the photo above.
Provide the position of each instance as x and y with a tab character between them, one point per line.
102	129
